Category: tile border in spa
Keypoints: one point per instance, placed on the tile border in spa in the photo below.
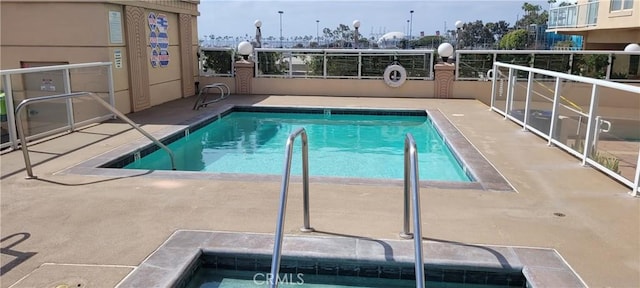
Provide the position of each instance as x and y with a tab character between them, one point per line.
179	254
484	173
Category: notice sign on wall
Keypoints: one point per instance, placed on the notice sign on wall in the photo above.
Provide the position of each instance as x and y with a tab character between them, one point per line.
115	27
117	58
159	39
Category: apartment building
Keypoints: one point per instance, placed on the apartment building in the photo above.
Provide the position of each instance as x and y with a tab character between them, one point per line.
604	24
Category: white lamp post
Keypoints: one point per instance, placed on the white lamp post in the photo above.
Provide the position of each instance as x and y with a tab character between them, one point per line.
258	24
281	12
445	50
410	27
356	25
459	26
317	32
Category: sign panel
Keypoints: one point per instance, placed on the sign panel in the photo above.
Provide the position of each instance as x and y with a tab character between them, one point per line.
117	58
115	27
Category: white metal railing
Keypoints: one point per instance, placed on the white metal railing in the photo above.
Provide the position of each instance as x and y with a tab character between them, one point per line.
340	63
9	88
574	16
472	64
593	124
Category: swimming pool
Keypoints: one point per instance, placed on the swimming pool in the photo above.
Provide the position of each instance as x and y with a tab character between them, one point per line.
342	143
245	271
360	261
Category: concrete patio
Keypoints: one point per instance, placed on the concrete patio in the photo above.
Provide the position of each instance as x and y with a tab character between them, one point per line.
93	231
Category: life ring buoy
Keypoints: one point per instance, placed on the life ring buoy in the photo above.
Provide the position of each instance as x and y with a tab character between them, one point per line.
395	75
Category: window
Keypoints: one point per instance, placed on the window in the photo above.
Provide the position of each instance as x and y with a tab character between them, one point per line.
617	5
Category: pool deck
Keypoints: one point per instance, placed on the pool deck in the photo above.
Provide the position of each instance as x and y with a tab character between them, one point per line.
94	230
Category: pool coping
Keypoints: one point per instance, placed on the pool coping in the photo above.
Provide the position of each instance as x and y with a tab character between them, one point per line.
486	177
167	265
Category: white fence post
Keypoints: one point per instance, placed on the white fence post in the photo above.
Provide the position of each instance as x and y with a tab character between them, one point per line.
11	116
636	181
510	88
66	78
591	125
112	95
554	111
527	101
494	80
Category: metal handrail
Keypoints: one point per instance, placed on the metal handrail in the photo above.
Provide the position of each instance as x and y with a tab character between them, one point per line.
26	102
411	180
277	245
201	99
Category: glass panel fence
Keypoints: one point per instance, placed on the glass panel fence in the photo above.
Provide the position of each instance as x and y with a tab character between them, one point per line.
217	62
40	117
474	66
625	67
373	65
307	64
501	88
516	59
552	62
272	63
573	111
417	66
541	103
342	65
608	136
517	105
89	79
590	65
617	132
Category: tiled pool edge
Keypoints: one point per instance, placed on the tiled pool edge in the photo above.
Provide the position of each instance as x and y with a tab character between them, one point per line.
165	266
485	174
481	169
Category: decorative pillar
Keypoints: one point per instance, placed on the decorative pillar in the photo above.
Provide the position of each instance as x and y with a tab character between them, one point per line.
136	25
443	87
187	58
244	76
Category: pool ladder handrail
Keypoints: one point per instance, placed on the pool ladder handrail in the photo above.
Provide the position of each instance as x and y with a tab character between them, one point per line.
411	184
200	100
113	110
277	246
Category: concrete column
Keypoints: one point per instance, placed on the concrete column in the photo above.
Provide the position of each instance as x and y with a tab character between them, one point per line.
136	33
187	58
244	76
443	87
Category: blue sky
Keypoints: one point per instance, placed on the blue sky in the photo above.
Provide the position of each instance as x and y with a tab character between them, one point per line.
236	17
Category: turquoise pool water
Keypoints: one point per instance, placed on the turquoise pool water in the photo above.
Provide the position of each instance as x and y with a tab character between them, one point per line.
340	145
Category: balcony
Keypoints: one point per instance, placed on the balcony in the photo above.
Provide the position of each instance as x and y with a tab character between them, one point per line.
574	16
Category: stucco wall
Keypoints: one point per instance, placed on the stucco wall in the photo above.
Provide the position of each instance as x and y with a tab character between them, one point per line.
332	87
78	32
617	19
